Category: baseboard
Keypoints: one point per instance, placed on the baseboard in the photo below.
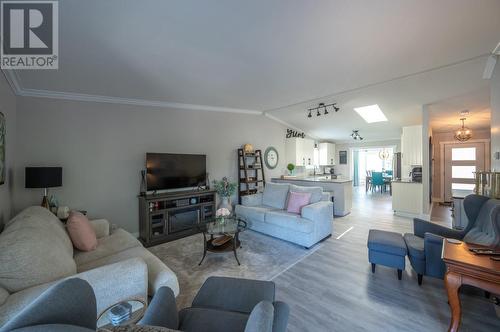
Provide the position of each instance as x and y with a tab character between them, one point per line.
412	215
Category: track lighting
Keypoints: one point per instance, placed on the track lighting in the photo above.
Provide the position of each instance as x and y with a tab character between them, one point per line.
322	108
356	136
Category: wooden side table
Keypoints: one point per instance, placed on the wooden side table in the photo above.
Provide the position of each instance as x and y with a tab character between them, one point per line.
465	268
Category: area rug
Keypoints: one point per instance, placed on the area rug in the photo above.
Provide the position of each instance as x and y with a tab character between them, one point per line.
262	257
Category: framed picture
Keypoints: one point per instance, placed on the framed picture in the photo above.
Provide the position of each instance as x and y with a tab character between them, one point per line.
2	148
342	157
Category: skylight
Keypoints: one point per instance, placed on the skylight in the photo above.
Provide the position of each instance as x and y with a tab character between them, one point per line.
371	113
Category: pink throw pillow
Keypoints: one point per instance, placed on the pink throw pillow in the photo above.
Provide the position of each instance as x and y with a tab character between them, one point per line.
81	232
297	200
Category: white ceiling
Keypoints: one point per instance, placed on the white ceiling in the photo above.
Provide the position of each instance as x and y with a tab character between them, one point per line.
266	54
444	116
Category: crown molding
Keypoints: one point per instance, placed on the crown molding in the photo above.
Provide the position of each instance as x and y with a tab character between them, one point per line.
129	101
15	83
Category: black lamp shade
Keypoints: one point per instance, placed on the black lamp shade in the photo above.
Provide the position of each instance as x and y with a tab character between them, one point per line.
43	177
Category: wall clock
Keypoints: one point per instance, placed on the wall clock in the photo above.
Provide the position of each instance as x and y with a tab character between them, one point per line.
271	157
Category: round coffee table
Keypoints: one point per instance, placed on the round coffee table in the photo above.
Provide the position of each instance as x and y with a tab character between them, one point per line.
223	236
123	313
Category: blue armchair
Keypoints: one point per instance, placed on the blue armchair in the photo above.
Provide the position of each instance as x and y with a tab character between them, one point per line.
426	242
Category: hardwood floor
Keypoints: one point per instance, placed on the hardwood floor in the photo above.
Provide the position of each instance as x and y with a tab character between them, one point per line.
333	289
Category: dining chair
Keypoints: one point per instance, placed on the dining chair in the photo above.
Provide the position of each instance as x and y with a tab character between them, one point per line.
368	181
377	181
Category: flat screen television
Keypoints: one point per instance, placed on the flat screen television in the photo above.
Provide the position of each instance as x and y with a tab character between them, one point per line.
175	171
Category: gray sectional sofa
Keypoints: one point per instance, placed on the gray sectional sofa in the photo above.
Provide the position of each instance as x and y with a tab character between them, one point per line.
266	213
36	252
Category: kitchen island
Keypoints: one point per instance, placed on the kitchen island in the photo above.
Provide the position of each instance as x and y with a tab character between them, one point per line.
407	198
341	190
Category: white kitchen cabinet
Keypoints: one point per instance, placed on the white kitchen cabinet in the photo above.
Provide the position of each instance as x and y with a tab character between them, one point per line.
299	151
326	154
411	146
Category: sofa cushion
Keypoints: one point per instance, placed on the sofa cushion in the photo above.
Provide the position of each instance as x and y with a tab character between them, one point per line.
32	255
158	273
316	192
37	216
19	300
275	195
483	232
289	221
205	319
81	232
118	241
252	213
296	201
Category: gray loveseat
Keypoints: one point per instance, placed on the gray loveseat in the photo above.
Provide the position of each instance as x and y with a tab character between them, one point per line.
36	252
266	213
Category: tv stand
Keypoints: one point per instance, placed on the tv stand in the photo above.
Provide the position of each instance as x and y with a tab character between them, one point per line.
169	216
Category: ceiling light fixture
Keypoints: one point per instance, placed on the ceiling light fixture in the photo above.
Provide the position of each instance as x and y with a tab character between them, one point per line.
371	113
356	136
464	133
322	107
384	154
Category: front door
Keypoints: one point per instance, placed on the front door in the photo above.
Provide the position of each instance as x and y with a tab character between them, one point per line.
461	160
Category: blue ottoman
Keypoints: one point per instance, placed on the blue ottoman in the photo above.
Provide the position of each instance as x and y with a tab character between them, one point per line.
387	248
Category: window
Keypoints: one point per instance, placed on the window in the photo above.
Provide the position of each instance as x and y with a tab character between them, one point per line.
462	186
463	172
463	154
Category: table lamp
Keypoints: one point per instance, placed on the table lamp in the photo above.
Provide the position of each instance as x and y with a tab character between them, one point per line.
43	177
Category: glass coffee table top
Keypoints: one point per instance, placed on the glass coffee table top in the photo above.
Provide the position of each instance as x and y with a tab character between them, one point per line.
230	226
123	313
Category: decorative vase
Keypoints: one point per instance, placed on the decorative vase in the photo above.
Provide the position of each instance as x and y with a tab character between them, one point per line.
142	190
226	203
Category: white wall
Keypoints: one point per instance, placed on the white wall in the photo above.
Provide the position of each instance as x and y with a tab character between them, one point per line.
426	134
102	147
495	117
8	108
346	170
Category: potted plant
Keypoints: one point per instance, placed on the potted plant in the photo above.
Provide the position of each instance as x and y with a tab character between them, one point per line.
290	167
225	190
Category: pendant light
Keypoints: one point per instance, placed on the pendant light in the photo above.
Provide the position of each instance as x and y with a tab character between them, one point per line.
383	154
463	134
